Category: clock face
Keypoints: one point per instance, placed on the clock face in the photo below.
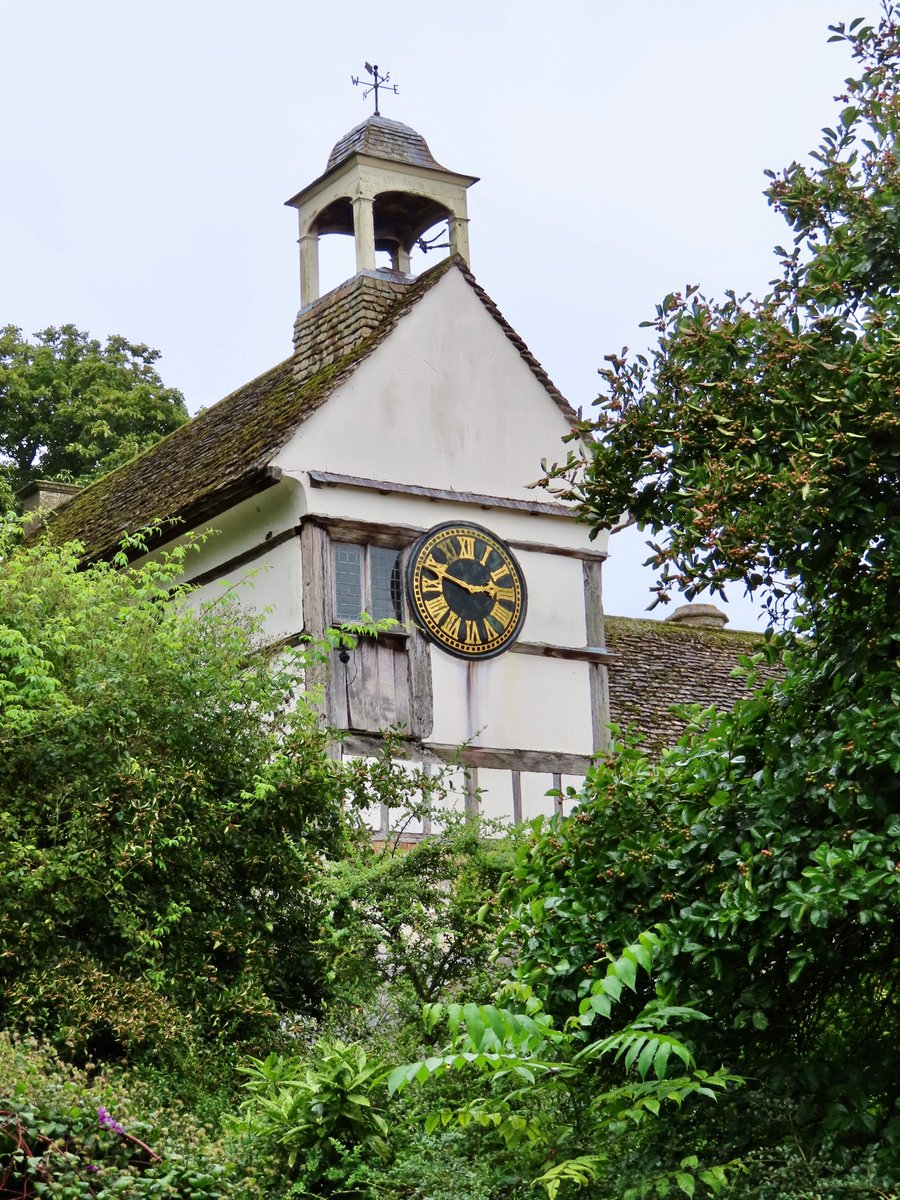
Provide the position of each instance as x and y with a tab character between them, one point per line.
466	590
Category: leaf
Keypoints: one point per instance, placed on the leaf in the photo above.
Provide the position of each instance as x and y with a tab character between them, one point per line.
685	1182
401	1076
661	1060
625	969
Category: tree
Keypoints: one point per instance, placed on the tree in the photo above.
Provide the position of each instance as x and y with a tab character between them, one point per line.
760	442
73	408
408	924
166	799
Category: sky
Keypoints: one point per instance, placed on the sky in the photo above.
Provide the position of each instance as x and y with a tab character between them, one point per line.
148	149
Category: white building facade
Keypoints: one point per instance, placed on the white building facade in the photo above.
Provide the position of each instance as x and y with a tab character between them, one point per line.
408	403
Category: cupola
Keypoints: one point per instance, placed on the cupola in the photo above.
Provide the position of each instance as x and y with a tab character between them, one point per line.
383	186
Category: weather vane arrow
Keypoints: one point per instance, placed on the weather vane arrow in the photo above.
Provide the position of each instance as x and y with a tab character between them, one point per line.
378	81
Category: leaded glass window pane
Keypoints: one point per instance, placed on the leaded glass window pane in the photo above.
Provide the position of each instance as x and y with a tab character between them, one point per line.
348	582
384	574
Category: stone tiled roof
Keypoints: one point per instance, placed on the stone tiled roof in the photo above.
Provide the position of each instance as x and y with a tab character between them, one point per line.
344	318
659	665
383	138
222	455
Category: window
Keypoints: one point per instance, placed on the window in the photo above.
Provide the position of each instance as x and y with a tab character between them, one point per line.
349	567
367	579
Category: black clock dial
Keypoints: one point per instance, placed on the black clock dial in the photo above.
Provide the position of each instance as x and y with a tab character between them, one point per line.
466	590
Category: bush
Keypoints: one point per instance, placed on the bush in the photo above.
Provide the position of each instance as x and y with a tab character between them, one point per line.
166	802
66	1132
409	923
314	1117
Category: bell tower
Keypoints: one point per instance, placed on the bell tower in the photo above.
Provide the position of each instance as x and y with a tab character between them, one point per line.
382	186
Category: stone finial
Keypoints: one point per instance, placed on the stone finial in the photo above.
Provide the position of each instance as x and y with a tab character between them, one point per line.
699	616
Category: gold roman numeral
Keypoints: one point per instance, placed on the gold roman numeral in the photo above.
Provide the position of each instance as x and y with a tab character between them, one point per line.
473	636
432	564
497	575
489	630
451	626
505	594
466	547
486	555
501	615
432	585
437	608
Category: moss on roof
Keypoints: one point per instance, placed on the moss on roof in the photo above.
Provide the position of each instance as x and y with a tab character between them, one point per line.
223	452
661	664
740	641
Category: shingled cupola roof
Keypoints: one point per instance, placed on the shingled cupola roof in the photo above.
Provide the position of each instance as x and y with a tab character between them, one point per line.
383	138
384	188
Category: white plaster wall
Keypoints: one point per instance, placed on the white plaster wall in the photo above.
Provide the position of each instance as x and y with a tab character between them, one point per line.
535	801
445	401
496	795
242	527
515	701
555	599
269	587
455	800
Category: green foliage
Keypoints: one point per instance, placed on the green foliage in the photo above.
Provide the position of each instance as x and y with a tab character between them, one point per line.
311	1112
571	1106
409	921
772	861
166	801
70	1133
72	408
443	1165
827	1173
760	442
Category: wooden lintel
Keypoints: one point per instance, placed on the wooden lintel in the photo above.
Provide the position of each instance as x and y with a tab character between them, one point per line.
549	762
543	508
380	533
586	554
589	654
545	761
374	533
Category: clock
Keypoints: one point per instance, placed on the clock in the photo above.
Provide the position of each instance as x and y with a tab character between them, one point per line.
466	591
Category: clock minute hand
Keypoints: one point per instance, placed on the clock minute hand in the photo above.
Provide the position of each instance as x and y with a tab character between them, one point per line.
474	588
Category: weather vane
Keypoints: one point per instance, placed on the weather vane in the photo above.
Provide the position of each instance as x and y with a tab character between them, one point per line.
380	81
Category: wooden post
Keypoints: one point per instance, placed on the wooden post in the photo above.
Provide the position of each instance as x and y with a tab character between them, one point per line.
364	232
596	636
